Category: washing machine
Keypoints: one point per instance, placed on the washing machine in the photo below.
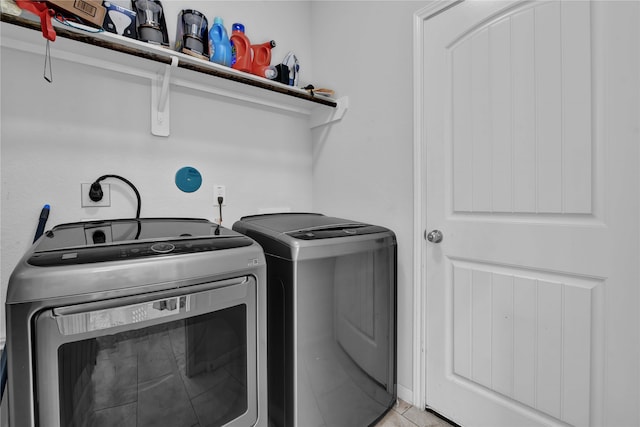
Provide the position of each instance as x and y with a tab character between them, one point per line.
331	307
140	322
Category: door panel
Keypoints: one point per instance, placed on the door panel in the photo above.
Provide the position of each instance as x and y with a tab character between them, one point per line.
530	135
520	112
525	335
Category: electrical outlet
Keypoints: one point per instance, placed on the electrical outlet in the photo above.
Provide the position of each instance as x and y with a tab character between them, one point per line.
98	234
219	191
88	203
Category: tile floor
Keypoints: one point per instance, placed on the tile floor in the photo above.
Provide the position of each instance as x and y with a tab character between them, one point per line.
405	415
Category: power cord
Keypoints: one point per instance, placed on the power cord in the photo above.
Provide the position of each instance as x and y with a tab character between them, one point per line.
220	200
96	193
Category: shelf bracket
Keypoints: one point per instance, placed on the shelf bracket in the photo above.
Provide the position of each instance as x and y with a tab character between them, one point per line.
160	117
320	117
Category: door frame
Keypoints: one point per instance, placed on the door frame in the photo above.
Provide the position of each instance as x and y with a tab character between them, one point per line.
433	8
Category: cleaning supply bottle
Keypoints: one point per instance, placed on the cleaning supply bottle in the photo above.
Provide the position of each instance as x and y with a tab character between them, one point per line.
219	43
240	48
262	58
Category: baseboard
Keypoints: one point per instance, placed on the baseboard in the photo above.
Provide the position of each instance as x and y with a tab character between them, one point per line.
405	394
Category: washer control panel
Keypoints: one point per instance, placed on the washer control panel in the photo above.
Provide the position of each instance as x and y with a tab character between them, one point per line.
132	250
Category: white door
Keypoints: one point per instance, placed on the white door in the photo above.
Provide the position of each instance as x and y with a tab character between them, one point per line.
531	121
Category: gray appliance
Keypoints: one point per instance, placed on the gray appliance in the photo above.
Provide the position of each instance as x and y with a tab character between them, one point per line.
141	322
331	298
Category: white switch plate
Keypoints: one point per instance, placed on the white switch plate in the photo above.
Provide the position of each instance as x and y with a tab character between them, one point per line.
88	203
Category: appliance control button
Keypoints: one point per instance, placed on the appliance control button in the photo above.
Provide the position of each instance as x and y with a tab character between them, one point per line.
162	248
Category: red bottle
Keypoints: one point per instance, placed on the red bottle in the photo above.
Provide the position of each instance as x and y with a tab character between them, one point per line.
262	58
240	49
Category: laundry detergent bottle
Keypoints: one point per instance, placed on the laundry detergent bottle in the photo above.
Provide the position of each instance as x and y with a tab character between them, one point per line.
262	59
219	43
240	48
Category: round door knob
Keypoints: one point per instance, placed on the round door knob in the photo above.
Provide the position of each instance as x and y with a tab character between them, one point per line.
435	236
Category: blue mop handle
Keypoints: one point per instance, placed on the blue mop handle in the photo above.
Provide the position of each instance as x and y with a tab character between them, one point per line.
3	375
44	215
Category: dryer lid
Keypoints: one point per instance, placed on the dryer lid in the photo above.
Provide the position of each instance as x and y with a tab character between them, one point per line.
291	222
308	226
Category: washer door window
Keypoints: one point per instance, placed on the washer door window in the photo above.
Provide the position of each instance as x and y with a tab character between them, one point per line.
186	360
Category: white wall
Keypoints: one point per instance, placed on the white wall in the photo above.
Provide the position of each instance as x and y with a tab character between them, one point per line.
359	168
362	165
91	122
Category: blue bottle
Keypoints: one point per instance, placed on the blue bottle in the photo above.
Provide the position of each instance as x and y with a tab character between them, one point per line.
219	44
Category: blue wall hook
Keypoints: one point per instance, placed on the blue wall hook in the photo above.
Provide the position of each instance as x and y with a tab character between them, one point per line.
188	179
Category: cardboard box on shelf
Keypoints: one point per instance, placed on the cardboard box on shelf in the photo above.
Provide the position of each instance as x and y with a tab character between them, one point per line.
90	11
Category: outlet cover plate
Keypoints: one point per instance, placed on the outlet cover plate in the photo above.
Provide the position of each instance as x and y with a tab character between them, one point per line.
220	191
88	203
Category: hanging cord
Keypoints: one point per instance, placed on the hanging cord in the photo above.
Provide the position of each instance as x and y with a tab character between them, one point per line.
48	73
